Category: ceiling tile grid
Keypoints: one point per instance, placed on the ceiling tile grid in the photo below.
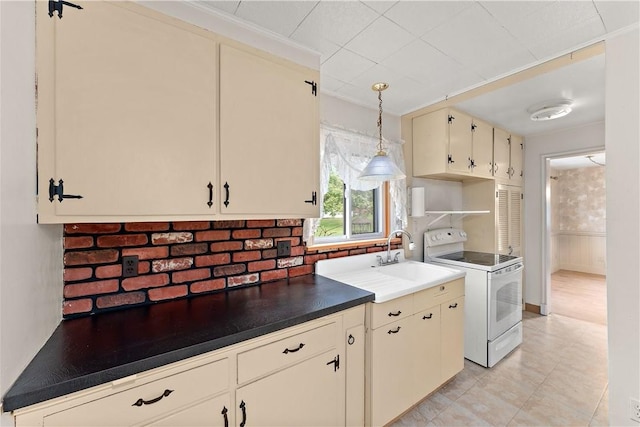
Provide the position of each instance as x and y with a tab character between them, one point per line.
429	50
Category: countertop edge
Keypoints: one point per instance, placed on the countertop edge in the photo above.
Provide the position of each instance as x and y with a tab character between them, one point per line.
12	402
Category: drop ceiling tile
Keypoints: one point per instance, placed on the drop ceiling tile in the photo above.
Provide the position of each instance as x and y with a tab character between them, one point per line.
475	39
377	73
618	14
508	11
380	6
307	38
549	22
346	65
330	84
337	21
586	31
379	40
282	17
421	62
226	6
418	17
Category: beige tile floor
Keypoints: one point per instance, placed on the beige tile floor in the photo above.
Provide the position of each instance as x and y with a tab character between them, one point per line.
557	377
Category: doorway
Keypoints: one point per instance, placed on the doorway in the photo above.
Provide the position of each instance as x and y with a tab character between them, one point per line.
576	236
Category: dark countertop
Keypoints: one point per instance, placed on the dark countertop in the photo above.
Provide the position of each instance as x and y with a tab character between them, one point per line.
93	350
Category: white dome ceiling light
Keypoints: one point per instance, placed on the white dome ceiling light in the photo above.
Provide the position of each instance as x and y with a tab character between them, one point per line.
550	110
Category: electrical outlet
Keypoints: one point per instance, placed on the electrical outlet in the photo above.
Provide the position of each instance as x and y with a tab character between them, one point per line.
130	266
284	248
634	409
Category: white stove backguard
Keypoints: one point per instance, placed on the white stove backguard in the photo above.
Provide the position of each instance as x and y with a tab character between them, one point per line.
443	241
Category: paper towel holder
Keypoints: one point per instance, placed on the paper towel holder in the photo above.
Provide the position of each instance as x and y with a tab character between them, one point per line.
417	202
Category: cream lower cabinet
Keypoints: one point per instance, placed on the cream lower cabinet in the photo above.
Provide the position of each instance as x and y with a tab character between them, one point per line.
297	376
415	346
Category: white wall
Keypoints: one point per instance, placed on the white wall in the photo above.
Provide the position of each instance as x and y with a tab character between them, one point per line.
623	219
30	254
586	138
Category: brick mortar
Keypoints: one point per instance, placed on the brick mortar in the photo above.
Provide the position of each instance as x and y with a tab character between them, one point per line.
247	268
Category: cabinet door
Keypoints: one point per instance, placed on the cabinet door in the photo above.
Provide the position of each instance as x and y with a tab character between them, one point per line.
269	135
509	220
214	412
308	394
501	151
354	367
126	113
452	338
460	142
392	379
426	363
517	155
482	148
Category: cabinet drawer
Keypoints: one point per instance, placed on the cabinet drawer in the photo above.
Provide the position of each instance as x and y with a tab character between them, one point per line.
391	311
139	404
438	294
271	357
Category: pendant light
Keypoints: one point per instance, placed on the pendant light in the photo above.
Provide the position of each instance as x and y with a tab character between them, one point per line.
381	167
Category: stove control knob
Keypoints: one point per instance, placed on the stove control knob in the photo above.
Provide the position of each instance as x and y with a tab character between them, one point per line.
433	238
440	236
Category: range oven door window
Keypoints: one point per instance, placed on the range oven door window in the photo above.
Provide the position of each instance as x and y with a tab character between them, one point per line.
505	299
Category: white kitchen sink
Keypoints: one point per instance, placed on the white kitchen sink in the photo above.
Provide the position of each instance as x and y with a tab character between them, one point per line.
389	281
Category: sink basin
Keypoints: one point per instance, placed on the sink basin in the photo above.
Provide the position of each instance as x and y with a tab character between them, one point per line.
386	282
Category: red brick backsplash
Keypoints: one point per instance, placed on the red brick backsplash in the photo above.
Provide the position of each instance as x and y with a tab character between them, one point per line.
180	259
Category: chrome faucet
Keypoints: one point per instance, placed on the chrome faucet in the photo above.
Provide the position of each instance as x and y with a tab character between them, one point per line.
395	260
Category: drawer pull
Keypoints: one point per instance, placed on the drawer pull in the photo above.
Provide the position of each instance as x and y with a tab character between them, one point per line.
287	351
351	339
391	331
226	417
243	407
396	314
453	305
427	317
141	401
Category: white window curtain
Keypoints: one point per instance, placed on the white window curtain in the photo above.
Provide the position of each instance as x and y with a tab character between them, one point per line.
348	152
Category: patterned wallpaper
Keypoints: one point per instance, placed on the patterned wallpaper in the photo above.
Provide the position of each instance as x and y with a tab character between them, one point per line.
578	200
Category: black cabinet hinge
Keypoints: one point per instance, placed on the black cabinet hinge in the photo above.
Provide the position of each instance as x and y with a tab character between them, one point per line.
314	198
56	5
509	140
450	119
335	362
314	87
450	159
473	127
58	190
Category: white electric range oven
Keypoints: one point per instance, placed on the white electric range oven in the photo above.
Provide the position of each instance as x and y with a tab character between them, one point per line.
493	294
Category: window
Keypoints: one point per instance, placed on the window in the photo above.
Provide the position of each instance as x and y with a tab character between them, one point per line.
350	214
353	209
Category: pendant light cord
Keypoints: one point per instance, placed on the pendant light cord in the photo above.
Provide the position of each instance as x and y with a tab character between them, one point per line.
380	119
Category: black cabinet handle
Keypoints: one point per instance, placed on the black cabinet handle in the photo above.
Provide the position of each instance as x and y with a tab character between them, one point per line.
453	305
226	192
287	351
243	408
391	331
210	202
427	317
141	401
396	314
226	417
351	339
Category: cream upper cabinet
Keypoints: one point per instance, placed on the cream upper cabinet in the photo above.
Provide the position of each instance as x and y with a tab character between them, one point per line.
269	135
450	144
501	154
508	152
144	117
126	114
517	159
